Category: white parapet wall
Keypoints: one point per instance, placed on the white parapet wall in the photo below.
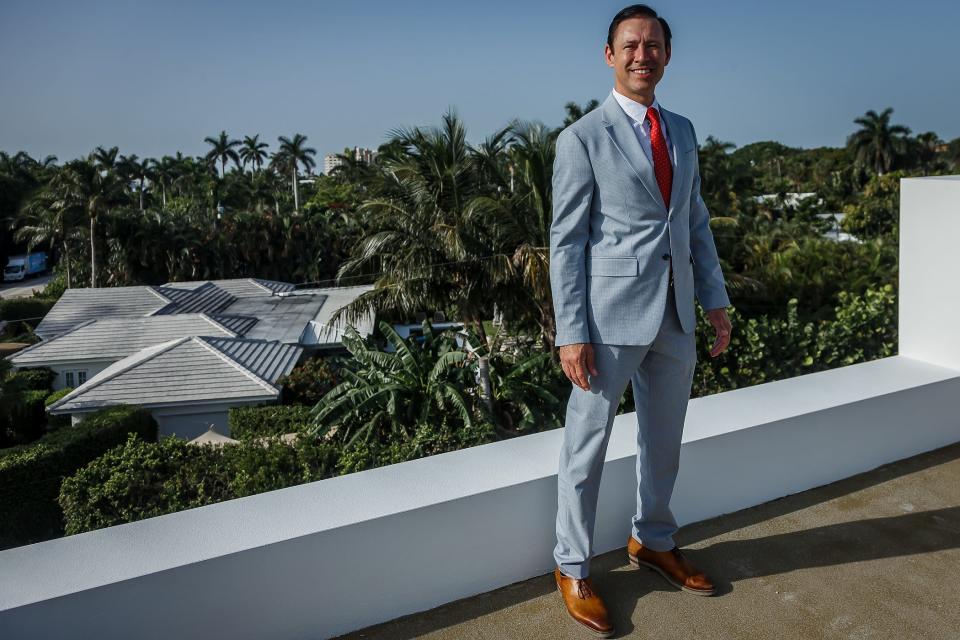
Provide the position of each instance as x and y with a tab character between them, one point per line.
328	557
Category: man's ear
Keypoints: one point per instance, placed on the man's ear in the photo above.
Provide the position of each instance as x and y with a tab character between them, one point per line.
667	61
608	56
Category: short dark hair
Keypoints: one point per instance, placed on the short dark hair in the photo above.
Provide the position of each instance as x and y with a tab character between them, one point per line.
637	11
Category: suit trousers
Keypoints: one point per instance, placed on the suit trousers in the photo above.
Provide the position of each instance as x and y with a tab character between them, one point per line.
662	375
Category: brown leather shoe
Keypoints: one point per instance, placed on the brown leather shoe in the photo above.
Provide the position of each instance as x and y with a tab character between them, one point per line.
672	565
583	603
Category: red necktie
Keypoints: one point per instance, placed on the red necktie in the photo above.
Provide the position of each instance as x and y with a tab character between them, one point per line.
661	158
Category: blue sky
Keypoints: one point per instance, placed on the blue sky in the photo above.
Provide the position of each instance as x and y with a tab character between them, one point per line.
157	77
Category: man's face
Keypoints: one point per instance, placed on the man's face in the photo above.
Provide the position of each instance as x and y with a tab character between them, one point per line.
638	57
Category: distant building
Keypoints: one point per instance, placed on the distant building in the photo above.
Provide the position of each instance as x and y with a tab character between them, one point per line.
331	162
360	154
791	200
834	233
188	351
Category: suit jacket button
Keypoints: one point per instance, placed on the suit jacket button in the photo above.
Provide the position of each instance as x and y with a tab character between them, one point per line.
665	256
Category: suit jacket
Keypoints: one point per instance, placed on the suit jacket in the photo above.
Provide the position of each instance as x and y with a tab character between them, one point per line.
612	238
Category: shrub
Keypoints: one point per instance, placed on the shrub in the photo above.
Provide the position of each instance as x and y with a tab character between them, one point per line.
769	348
26	418
309	381
55	422
255	422
31	475
140	480
21	308
39	379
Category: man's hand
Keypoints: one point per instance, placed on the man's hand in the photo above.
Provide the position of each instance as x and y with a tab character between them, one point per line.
720	322
576	360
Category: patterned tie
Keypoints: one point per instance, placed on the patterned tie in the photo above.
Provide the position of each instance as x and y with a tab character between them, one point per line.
661	158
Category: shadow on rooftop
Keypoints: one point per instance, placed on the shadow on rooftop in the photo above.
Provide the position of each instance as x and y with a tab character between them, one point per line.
728	561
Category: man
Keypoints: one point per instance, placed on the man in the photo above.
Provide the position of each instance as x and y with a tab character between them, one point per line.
630	246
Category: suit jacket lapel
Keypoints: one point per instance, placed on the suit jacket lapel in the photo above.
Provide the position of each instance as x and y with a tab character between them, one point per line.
678	142
621	132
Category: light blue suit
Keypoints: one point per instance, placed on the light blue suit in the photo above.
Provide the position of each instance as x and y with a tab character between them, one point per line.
612	243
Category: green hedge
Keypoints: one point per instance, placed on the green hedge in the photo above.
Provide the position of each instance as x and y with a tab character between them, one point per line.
39	379
19	308
254	422
55	422
31	475
145	479
26	418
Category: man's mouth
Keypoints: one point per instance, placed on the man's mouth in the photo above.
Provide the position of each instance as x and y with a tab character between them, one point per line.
643	72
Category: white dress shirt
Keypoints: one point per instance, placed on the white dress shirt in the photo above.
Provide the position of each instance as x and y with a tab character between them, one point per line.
638	117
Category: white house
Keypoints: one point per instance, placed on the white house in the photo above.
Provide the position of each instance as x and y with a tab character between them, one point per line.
189	384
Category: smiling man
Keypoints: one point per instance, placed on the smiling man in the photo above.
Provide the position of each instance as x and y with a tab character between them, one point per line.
630	248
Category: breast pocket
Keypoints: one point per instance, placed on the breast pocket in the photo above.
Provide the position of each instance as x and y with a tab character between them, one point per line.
612	266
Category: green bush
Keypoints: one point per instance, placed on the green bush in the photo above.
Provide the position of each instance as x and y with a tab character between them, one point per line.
309	381
55	422
255	422
769	348
26	418
21	308
31	475
427	439
140	480
39	379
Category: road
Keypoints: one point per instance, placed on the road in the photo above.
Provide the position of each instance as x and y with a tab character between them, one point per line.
24	288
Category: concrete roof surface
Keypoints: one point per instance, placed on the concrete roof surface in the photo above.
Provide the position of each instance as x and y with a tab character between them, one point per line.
111	339
79	305
280	318
239	287
259	309
871	556
187	371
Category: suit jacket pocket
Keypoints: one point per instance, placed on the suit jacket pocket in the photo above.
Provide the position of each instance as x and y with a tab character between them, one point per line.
612	266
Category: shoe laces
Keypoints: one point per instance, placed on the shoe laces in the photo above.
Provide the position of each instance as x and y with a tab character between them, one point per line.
583	589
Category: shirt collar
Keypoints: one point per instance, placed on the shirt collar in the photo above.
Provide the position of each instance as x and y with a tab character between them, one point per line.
634	109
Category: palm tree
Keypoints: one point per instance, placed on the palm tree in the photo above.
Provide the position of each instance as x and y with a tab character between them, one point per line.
716	171
575	111
50	217
86	189
254	152
291	155
163	171
927	145
878	142
426	236
130	168
105	159
222	151
521	226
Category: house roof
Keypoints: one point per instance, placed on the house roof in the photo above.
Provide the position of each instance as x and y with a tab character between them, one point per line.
239	287
322	331
258	309
266	360
79	305
281	317
111	339
207	298
192	370
238	324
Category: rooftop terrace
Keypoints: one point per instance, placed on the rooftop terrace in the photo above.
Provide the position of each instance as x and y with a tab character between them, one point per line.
871	556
